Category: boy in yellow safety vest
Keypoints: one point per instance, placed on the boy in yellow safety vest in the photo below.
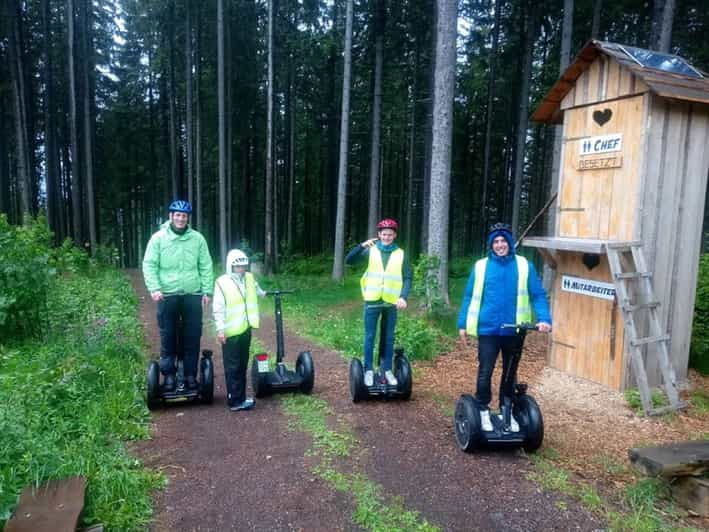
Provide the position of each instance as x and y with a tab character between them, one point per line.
385	288
503	288
235	309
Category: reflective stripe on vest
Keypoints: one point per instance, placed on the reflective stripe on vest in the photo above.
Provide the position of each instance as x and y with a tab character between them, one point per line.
524	311
378	283
240	313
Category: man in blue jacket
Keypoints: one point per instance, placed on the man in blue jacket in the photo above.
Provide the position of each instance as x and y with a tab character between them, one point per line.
502	288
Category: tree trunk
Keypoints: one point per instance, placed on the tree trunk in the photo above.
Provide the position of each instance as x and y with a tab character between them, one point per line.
523	118
338	267
50	131
290	221
19	92
175	187
374	175
88	125
664	32
488	119
441	143
4	164
408	227
76	203
198	123
268	251
596	22
222	130
189	147
564	59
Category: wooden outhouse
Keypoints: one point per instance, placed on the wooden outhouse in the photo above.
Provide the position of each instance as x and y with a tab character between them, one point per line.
628	217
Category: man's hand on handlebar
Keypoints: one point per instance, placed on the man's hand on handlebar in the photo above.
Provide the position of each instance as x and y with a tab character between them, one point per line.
543	326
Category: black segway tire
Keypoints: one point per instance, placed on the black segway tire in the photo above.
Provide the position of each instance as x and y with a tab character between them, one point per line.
153	391
529	416
206	384
467	423
259	381
357	388
402	371
305	368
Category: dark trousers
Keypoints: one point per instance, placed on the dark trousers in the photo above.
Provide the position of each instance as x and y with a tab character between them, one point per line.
176	338
488	348
236	359
386	335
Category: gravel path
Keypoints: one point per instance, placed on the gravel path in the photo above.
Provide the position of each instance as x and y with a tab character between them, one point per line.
249	471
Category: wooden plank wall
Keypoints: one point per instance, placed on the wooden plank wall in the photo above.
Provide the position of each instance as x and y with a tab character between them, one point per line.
672	206
581	346
600	204
605	79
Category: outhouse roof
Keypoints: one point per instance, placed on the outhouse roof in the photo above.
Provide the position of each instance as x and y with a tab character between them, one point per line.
666	75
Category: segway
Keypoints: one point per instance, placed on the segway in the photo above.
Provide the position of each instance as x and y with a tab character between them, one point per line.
204	392
281	379
468	427
381	388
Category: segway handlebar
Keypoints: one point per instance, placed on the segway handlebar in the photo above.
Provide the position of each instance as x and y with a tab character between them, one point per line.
381	305
278	292
519	326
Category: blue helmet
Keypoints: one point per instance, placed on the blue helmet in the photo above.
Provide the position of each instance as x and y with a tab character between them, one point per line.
180	206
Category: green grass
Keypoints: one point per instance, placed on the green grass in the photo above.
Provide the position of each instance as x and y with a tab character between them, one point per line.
643	506
70	401
632	397
700	401
330	314
373	510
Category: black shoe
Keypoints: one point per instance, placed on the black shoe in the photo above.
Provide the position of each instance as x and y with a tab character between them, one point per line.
191	382
246	404
169	383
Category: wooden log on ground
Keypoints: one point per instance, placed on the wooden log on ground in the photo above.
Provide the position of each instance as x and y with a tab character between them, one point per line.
676	460
53	507
692	493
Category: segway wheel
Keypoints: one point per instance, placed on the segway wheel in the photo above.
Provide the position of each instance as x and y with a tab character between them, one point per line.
402	371
153	391
306	370
529	416
357	388
259	381
207	378
467	423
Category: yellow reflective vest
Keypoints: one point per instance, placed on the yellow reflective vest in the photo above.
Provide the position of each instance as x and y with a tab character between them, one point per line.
241	309
523	311
379	283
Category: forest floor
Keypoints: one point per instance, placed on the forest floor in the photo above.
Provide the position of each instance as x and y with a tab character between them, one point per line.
268	469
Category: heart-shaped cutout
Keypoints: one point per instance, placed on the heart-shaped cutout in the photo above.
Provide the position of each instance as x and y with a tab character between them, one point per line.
601	117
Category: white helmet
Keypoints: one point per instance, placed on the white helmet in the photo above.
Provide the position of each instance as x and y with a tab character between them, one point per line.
236	257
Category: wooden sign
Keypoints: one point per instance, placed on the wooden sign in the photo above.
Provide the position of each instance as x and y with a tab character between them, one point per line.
601	144
587	287
600	163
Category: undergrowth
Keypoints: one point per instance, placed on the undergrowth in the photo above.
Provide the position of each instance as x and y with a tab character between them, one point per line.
643	506
71	389
331	314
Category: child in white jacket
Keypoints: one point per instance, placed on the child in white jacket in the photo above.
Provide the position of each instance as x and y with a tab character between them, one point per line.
235	309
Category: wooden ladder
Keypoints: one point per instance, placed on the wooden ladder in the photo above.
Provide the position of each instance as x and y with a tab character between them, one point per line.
635	300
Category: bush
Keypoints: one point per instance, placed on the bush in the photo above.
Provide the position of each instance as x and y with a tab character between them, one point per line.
699	349
25	275
304	265
68	402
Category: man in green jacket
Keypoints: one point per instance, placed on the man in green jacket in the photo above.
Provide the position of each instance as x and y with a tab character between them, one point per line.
178	273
